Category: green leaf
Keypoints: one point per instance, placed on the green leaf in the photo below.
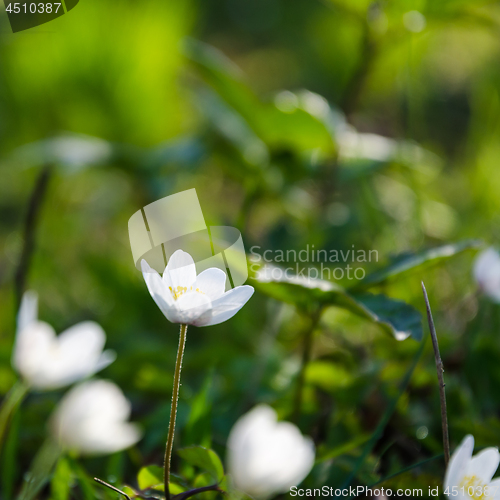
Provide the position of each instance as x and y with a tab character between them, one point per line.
287	123
174	488
299	290
40	470
328	376
197	429
232	493
61	480
204	458
150	476
361	155
394	316
407	263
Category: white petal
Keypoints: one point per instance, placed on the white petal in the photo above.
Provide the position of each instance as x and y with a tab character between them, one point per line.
106	358
157	288
227	305
495	489
484	464
28	311
180	270
91	418
110	440
266	457
487	273
212	282
31	350
458	463
189	308
74	355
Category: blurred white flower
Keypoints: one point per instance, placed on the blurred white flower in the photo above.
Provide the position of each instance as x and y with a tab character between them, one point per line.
46	361
266	457
186	298
487	273
92	419
470	477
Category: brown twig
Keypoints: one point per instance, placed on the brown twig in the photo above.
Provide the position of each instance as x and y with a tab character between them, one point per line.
104	483
440	371
30	222
179	496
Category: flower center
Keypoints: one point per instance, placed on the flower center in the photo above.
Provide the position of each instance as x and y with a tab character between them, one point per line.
474	487
180	290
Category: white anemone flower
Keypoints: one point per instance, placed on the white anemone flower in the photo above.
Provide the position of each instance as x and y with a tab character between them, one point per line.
487	273
46	361
92	419
190	299
470	476
267	457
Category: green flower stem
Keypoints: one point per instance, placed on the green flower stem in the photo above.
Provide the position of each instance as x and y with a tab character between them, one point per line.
173	410
10	404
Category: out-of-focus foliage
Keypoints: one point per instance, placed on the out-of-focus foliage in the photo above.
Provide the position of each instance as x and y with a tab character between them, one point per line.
319	125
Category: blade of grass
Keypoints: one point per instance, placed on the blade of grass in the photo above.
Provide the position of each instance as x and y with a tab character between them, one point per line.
41	468
385	418
9	406
406	469
440	371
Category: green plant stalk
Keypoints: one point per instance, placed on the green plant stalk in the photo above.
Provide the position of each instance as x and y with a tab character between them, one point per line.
173	410
10	404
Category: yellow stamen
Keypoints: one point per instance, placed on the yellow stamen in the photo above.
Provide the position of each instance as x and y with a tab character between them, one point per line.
474	487
180	290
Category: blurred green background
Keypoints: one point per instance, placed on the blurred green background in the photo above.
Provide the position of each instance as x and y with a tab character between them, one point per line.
333	123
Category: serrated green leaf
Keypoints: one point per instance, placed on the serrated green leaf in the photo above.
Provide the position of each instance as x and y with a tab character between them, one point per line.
204	458
406	263
150	476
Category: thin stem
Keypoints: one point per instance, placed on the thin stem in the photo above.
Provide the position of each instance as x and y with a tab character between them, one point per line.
104	483
29	230
306	358
173	410
440	371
